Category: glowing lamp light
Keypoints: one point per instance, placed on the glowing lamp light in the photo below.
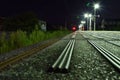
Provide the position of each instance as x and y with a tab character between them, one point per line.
96	6
74	28
86	15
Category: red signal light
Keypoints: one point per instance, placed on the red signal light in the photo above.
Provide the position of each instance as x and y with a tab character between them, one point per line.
74	28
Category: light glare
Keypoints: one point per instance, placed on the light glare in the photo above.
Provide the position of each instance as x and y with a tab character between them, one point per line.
90	15
86	15
96	6
83	22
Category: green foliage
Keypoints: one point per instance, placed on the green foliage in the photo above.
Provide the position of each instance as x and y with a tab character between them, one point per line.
4	48
2	38
36	36
89	4
3	43
20	38
12	40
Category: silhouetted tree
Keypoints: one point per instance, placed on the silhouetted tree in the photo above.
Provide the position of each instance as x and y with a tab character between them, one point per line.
26	21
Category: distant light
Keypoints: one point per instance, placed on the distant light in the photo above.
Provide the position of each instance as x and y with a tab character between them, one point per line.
86	15
90	15
74	28
96	6
81	25
83	22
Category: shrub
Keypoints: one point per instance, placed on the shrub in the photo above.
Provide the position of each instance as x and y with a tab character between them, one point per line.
36	36
3	43
20	38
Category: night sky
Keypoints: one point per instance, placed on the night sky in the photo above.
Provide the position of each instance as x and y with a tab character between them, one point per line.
59	11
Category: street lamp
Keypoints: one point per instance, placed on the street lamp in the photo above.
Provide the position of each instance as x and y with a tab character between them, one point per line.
88	16
96	6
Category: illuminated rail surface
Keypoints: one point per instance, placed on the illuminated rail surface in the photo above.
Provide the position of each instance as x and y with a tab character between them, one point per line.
107	54
104	38
63	61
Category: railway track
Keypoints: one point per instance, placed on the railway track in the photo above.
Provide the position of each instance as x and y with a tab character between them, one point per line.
113	59
63	61
102	38
108	40
22	55
107	54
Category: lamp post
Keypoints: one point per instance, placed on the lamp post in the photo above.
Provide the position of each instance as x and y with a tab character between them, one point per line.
96	6
88	16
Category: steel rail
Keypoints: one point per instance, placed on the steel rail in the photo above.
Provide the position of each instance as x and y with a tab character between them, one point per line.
107	40
114	38
99	37
107	54
65	56
63	61
60	57
70	55
22	55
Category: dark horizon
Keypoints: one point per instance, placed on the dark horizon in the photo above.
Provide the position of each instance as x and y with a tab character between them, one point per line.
59	12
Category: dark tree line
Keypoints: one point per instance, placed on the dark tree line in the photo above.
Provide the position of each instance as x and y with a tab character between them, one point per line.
26	22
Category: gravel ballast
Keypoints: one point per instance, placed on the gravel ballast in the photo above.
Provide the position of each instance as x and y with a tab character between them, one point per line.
107	44
86	64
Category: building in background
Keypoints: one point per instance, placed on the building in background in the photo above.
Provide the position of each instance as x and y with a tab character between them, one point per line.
43	25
